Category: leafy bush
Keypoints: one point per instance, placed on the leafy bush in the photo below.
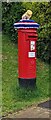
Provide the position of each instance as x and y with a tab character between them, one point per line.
12	12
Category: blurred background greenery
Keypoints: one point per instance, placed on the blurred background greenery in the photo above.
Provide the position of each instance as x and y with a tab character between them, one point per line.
12	12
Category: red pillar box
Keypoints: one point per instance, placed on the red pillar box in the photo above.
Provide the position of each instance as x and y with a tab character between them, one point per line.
27	37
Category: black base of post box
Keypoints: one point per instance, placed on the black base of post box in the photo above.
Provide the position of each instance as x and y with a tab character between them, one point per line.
27	82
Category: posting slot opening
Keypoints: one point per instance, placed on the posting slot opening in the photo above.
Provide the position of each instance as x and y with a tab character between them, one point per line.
30	36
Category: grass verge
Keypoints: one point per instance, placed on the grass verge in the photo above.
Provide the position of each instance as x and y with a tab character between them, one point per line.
15	98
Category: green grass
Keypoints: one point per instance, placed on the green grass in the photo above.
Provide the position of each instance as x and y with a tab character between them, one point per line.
15	98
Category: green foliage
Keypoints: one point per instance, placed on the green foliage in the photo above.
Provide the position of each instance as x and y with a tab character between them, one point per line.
12	12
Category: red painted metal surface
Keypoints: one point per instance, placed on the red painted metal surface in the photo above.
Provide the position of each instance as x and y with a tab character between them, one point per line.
27	54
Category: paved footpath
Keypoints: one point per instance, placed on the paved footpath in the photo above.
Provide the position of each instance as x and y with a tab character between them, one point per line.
31	112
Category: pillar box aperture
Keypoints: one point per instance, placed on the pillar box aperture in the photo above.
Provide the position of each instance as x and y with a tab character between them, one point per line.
27	37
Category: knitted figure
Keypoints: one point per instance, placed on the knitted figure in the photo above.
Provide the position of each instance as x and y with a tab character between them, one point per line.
27	15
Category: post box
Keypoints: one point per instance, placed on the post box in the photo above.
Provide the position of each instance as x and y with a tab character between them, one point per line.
27	37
